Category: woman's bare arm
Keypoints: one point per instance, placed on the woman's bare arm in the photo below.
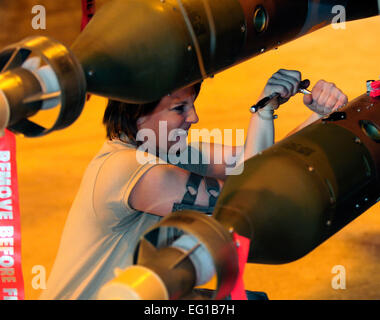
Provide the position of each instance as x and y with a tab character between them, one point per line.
161	187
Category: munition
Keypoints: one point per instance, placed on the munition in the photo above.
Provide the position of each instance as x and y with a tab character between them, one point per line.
139	51
302	190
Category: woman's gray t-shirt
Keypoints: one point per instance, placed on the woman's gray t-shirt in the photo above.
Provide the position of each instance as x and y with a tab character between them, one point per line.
102	230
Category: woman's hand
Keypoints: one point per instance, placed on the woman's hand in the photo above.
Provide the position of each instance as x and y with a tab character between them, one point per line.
284	82
325	98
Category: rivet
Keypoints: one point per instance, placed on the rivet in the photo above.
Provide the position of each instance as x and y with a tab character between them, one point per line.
91	72
357	140
357	206
243	28
328	222
311	169
189	48
262	50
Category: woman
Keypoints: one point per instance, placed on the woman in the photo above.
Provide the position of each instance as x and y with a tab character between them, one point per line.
120	197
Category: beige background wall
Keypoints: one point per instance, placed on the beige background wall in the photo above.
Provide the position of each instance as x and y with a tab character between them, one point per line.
50	168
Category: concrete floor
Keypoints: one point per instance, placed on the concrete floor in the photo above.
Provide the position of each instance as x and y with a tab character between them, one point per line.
50	168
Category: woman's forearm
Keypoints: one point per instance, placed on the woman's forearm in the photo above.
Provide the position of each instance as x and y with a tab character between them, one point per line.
260	134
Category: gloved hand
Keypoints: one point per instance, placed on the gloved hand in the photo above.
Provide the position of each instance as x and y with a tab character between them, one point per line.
284	82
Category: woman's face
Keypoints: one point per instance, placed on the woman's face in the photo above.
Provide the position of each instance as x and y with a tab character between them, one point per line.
171	120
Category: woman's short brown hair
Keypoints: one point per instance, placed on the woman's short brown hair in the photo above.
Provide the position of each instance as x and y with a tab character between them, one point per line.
121	117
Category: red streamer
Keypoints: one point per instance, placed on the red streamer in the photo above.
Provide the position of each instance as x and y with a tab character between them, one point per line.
375	92
11	279
88	10
242	247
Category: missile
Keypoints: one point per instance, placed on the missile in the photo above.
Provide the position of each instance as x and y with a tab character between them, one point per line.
288	200
140	50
